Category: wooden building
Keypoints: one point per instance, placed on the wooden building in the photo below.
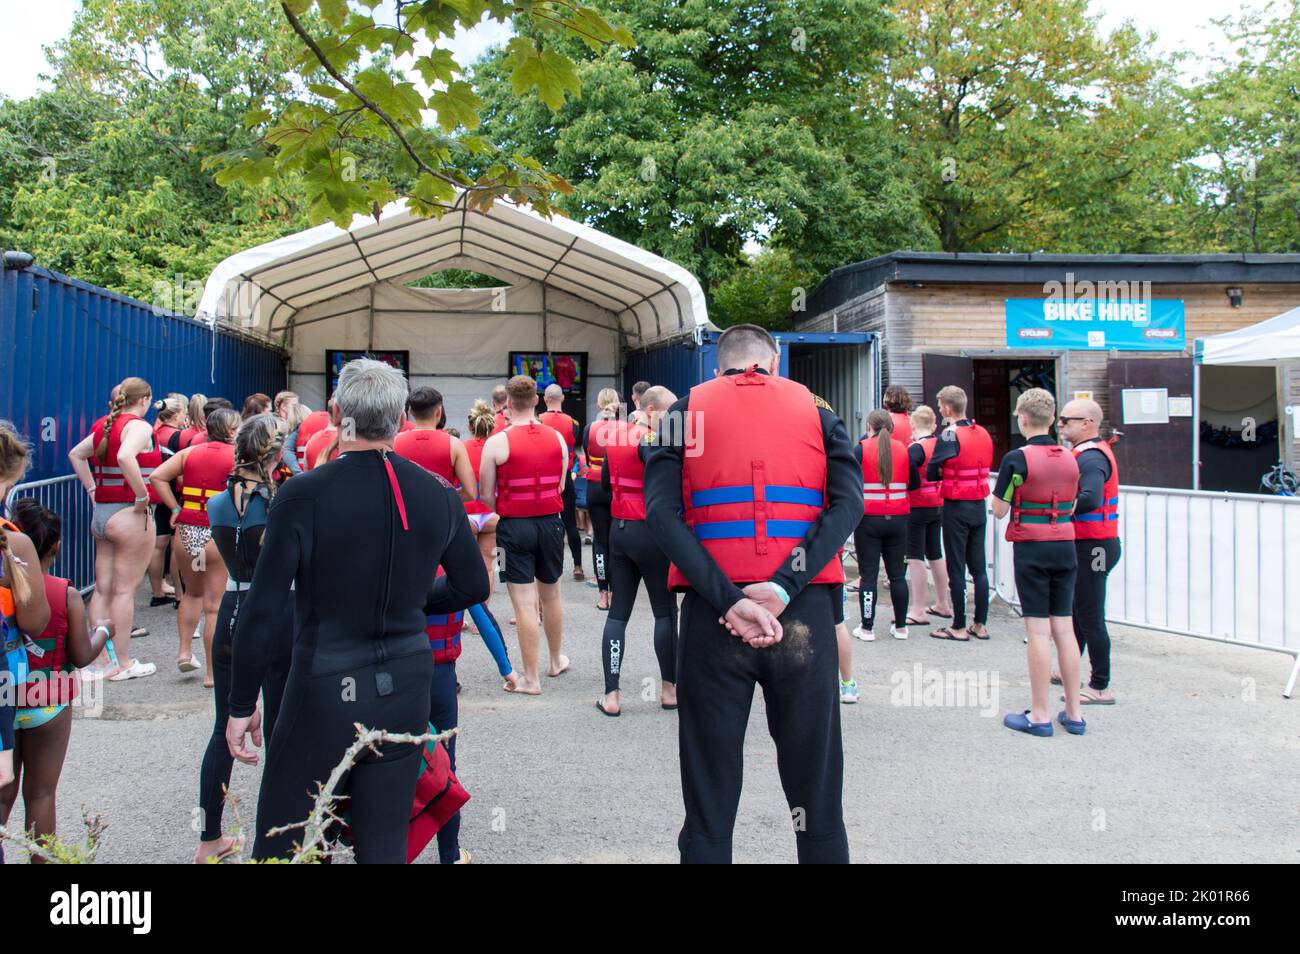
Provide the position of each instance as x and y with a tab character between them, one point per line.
1118	328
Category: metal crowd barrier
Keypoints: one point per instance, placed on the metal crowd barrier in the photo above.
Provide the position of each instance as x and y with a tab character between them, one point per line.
66	497
1197	563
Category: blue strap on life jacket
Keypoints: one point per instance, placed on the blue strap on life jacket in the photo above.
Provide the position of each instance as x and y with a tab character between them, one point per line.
744	493
745	529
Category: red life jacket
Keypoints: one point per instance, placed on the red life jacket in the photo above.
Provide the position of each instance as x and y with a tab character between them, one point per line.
474	447
884	499
751	492
57	684
927	495
312	424
444	632
1102	523
528	483
966	476
187	437
598	438
110	485
626	472
319	441
1042	507
562	423
203	476
501	423
902	427
430	449
407	425
162	435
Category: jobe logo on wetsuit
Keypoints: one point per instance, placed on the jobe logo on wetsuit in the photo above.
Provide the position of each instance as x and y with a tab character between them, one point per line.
92	908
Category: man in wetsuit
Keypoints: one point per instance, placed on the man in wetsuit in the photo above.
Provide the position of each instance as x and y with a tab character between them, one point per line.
961	462
1096	540
555	418
735	502
357	539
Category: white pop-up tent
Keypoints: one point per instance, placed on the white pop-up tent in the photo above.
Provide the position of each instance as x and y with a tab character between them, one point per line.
1274	343
565	287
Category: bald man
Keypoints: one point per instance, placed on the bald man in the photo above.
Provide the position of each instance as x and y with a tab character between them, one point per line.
1097	545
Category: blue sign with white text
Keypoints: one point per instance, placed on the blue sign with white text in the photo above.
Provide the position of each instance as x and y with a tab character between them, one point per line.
1098	324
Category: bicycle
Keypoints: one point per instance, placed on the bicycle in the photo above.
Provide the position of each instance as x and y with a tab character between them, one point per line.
1280	482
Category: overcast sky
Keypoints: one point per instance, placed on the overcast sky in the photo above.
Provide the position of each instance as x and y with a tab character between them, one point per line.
1180	25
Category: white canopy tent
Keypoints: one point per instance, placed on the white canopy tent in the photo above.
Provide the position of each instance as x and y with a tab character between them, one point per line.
1274	343
565	287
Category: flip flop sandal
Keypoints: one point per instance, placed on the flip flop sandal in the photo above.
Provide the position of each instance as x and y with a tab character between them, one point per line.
189	665
933	612
139	632
604	711
917	622
1056	679
852	587
978	636
1088	700
946	633
668	708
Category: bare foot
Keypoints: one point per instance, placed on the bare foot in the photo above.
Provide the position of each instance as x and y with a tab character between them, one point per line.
523	686
211	851
563	661
668	695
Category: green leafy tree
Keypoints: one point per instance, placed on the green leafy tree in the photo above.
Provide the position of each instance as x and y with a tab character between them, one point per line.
761	291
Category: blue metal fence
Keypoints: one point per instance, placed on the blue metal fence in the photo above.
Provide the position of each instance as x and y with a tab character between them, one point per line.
65	343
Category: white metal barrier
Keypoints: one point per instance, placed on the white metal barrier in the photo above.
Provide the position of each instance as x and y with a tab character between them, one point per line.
1198	563
66	497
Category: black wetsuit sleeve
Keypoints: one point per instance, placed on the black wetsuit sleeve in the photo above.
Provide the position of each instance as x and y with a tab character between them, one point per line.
1094	471
287	537
945	448
1013	466
857	452
839	518
465	581
663	493
916	455
914	470
582	441
605	486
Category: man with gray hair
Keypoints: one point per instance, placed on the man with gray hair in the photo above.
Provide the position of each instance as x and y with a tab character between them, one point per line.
356	544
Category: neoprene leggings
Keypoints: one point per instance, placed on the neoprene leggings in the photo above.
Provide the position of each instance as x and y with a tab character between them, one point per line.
315	726
570	517
598	508
1096	559
964	524
878	536
214	772
634	556
443	714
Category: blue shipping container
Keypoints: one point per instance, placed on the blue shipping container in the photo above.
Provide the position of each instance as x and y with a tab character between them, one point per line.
65	343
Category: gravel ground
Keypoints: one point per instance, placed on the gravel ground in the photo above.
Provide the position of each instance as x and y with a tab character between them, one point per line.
1190	766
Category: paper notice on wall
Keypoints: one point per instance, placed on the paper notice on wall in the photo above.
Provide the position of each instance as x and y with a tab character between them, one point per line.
1180	407
1146	405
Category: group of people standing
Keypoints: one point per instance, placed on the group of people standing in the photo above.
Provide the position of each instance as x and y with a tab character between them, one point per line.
335	555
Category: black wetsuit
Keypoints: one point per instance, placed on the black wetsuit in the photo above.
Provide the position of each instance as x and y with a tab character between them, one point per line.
239	539
598	509
364	585
1096	558
717	672
634	556
964	525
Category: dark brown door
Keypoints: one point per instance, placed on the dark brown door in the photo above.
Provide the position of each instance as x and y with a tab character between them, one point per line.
1152	455
939	371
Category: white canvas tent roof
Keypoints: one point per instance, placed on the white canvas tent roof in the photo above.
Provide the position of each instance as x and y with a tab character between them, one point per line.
1265	344
565	287
262	289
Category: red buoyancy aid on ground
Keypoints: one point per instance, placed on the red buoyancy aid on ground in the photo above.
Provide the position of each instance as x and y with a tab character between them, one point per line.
626	472
1043	506
312	424
750	492
443	630
565	425
528	483
430	449
58	683
879	499
110	485
966	476
203	476
474	448
1102	523
927	495
598	437
902	427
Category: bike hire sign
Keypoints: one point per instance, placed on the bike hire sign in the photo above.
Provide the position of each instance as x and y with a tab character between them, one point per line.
1125	324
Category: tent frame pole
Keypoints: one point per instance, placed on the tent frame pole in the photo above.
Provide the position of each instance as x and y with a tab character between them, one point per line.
370	334
1196	424
545	344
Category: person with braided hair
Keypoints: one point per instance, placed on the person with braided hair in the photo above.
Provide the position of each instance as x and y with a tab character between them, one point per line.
237	517
114	463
